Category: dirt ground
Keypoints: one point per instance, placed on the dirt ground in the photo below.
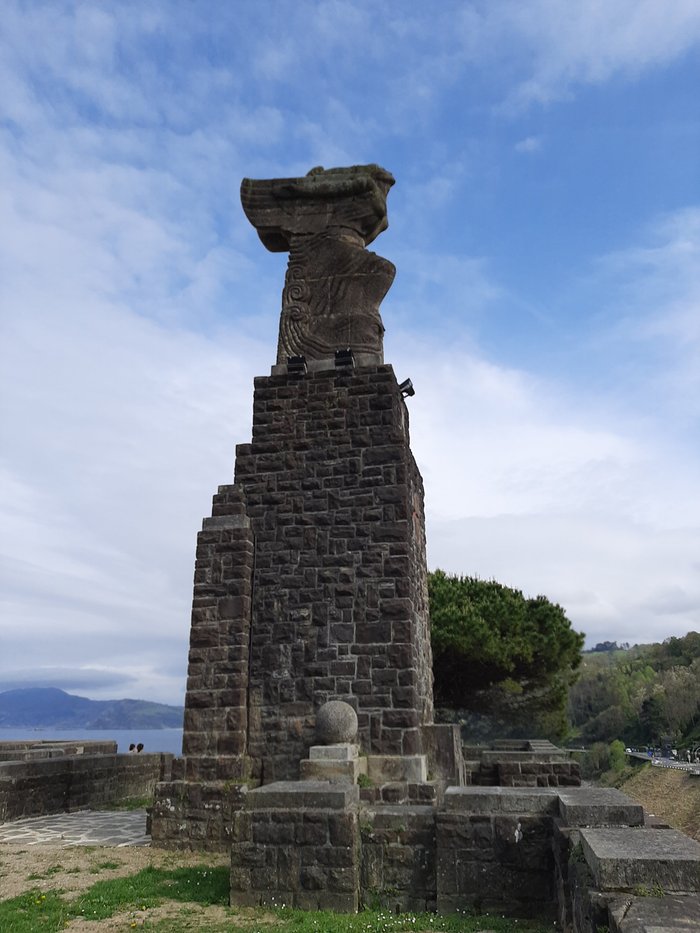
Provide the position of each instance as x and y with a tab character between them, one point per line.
673	796
76	868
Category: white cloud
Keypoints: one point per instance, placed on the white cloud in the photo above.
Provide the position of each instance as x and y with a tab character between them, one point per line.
589	43
655	292
529	144
533	483
611	575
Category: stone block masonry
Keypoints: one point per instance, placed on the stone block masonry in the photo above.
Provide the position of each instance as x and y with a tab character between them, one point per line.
523	852
310	582
216	703
340	604
73	782
297	844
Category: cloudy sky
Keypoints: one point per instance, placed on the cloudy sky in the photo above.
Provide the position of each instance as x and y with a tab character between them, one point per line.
545	224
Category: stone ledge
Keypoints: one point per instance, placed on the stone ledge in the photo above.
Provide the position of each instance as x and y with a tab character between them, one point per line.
502	800
225	521
340	751
598	806
318	795
624	858
335	771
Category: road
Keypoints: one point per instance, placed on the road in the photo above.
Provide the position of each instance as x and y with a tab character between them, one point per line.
659	762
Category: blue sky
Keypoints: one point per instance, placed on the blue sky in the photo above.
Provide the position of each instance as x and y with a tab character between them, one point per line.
545	225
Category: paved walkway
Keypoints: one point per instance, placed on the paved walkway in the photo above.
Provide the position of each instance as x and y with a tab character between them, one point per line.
83	828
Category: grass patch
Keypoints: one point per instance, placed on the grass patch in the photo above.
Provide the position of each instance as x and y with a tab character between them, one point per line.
369	921
34	912
49	912
151	887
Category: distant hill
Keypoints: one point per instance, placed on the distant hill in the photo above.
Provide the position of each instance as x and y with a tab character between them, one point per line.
644	695
49	707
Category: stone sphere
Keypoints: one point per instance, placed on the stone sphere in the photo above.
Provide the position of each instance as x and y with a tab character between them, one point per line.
336	722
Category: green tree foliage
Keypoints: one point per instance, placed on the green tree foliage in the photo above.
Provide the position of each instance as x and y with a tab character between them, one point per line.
641	694
498	653
618	759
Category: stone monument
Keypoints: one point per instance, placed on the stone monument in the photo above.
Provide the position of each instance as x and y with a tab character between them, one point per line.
311	579
309	749
334	286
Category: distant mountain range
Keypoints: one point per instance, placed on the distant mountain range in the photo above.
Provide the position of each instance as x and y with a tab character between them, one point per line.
49	707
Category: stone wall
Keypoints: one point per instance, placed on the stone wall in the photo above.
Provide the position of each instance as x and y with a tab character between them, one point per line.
515	763
311	582
299	847
398	858
585	857
33	751
195	815
340	590
494	851
215	733
62	784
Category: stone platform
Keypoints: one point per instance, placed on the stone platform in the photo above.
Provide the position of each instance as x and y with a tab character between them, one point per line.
84	828
566	854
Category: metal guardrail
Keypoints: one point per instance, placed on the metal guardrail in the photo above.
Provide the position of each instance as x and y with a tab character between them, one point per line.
689	767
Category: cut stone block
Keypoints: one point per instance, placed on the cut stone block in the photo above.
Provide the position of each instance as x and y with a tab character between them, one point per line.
628	858
502	799
303	795
340	752
598	806
330	770
383	769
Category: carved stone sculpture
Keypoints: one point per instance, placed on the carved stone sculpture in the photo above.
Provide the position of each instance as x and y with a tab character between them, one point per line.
334	286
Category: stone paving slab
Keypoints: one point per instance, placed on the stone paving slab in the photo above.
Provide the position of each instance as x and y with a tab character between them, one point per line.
82	828
656	915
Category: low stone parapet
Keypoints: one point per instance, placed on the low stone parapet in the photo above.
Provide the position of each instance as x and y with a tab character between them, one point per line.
32	751
598	806
612	872
75	782
520	764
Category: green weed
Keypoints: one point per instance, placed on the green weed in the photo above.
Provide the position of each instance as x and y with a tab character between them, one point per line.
102	866
653	890
129	803
43	875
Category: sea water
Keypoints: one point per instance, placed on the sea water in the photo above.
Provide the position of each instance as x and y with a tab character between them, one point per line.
154	740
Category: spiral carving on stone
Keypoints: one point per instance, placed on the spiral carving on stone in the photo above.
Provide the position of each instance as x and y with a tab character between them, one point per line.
294	321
